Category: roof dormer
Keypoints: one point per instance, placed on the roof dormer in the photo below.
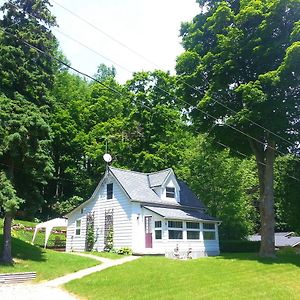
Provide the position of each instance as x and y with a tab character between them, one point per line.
165	185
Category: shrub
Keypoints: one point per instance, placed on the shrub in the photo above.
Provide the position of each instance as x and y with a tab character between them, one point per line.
239	246
287	250
124	251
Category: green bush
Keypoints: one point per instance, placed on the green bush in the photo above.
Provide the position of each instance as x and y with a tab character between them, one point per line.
288	250
239	246
124	251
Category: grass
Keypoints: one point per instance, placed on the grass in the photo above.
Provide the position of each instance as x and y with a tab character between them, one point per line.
109	255
238	276
47	263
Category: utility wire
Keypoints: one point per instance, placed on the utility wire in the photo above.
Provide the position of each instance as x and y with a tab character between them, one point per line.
234	111
244	155
60	61
104	33
161	89
153	63
83	45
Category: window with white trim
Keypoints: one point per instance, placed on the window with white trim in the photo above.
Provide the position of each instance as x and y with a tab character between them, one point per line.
158	232
193	230
78	227
170	192
209	231
175	230
109	191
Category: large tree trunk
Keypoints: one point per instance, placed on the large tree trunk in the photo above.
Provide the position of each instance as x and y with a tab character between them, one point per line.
265	166
6	253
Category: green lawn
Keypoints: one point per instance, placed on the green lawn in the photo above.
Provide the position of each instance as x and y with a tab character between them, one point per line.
47	263
107	255
238	276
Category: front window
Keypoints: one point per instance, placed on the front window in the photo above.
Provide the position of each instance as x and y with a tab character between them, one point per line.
109	191
209	232
176	232
158	233
193	225
193	235
175	235
175	224
78	227
208	226
193	230
170	192
209	235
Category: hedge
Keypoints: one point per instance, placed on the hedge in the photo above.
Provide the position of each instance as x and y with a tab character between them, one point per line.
239	246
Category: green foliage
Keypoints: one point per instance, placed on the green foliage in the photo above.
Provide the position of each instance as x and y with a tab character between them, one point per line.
288	251
245	55
24	70
25	104
287	192
109	241
104	72
235	246
90	232
124	251
9	201
226	185
24	149
68	205
160	131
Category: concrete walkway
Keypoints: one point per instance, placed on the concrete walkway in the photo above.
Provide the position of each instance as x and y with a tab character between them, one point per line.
107	263
50	290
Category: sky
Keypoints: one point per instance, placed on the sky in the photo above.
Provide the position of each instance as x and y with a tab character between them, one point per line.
149	27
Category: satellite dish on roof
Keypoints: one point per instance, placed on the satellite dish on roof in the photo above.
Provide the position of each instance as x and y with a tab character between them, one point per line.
107	157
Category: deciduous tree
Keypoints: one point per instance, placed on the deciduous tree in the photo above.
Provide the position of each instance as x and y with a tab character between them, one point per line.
241	66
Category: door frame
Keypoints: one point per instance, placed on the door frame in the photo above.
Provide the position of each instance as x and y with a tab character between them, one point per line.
148	231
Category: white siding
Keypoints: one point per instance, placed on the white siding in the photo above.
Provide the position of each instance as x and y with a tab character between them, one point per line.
122	225
166	246
77	242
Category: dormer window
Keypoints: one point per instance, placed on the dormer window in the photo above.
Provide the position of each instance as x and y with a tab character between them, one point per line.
170	192
109	191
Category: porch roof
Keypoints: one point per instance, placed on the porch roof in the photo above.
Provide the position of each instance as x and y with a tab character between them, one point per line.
181	214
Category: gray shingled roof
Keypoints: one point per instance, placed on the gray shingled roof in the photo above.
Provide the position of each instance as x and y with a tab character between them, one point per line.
181	214
158	178
280	240
138	187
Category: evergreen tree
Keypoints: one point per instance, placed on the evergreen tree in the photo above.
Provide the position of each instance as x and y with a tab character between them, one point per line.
26	78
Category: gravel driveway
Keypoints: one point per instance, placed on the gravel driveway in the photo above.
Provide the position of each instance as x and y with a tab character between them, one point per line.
27	291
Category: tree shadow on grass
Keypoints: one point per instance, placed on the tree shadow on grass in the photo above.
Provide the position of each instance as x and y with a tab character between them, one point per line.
25	251
281	258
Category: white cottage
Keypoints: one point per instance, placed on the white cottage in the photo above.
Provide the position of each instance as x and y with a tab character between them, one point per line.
151	213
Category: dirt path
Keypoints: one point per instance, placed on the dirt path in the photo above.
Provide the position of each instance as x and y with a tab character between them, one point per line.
50	290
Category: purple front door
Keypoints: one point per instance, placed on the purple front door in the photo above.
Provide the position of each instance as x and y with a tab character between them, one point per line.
148	232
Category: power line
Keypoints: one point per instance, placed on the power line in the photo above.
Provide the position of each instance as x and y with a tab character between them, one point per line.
104	33
60	61
244	155
197	108
234	111
163	90
153	63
